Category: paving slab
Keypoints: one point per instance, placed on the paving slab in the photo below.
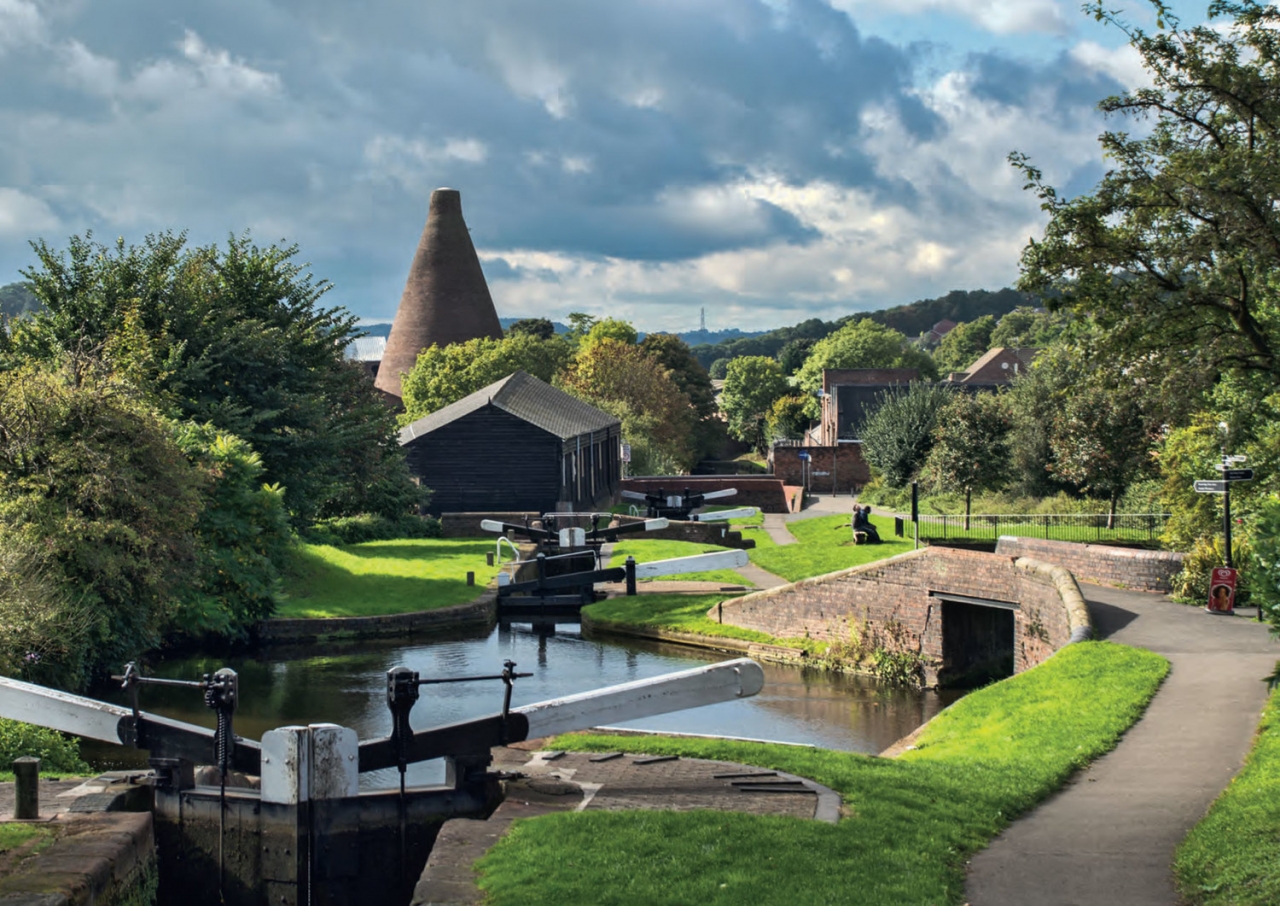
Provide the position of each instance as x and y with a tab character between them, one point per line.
1108	836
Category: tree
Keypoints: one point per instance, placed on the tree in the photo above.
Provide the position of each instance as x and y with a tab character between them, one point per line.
91	478
788	418
624	380
964	344
613	329
580	324
898	435
860	344
674	354
752	384
1100	440
542	328
793	355
1178	246
231	336
443	375
16	299
718	369
1027	327
970	445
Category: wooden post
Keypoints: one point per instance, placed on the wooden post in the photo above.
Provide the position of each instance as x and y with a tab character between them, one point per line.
26	776
471	578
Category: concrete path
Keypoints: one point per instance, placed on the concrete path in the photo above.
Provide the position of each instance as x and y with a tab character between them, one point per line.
1108	837
775	524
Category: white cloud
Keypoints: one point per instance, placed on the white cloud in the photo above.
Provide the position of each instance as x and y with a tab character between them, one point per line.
999	16
23	215
20	23
413	162
1123	63
529	73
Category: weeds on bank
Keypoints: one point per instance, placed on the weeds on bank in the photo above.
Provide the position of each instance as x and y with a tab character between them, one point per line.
910	822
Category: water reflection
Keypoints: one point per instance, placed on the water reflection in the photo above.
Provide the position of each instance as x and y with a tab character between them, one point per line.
346	684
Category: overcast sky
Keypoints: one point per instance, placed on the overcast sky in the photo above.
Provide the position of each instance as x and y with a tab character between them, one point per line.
771	160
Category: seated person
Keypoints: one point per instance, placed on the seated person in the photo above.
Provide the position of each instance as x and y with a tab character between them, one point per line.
862	523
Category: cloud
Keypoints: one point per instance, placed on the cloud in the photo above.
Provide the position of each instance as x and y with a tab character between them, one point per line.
1123	63
20	24
1001	17
22	215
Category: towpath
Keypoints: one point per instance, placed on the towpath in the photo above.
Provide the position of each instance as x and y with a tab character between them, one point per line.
1108	837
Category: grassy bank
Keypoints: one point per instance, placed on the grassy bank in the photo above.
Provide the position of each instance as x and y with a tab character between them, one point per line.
648	551
383	577
676	613
824	545
910	823
1233	855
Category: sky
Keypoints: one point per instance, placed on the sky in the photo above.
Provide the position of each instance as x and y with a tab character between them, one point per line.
767	160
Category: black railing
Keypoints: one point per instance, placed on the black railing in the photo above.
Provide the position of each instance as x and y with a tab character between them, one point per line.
1143	528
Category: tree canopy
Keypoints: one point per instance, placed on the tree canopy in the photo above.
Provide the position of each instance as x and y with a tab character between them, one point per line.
1178	246
964	344
752	384
861	344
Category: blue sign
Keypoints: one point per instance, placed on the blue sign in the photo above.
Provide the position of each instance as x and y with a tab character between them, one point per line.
804	455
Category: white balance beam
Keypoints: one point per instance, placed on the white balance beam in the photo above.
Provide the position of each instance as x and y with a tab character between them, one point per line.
695	564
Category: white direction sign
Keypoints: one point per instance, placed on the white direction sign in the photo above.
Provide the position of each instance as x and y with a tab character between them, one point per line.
1211	487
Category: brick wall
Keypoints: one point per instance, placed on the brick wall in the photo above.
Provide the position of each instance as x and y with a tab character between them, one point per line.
1121	567
895	593
846	470
467	525
762	491
697	532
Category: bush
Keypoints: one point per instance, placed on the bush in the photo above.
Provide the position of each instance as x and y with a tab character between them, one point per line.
57	752
368	527
1191	586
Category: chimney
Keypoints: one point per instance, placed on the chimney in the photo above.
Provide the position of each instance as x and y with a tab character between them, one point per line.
445	299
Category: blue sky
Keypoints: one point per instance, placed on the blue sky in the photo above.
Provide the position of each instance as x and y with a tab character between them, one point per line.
769	160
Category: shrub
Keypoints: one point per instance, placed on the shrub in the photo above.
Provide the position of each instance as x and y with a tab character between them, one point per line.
57	752
369	527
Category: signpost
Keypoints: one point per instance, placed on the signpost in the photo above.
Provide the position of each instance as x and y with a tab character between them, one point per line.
1222	586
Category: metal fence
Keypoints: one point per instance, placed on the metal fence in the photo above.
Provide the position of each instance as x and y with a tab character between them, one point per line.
1132	527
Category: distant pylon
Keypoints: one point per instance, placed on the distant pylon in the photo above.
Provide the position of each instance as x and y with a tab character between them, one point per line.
702	321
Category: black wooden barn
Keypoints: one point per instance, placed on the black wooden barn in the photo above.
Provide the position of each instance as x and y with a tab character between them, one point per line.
517	445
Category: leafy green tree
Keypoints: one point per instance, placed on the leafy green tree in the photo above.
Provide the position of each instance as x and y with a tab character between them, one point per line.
613	329
718	369
231	336
443	375
92	479
674	354
1178	246
898	435
542	328
964	345
1100	440
580	324
793	355
970	445
788	418
1028	327
17	299
752	384
624	380
861	344
242	538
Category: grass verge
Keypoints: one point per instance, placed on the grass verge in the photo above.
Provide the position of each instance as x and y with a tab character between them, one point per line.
678	613
911	821
383	577
825	545
1233	854
14	835
648	551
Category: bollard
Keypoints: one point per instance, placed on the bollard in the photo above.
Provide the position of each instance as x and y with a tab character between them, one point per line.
26	777
630	568
471	578
488	558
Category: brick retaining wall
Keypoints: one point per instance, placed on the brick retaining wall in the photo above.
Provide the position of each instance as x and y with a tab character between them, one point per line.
845	469
1121	567
480	612
894	594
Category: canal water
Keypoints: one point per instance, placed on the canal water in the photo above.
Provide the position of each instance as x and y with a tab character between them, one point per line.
346	684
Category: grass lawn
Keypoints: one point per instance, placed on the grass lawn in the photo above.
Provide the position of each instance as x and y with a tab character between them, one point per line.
1233	854
14	835
648	551
910	825
383	577
681	613
825	544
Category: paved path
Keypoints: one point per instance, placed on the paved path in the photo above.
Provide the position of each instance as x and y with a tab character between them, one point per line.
1108	837
775	524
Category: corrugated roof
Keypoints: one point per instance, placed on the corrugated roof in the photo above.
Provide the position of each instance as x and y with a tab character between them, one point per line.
528	399
366	349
